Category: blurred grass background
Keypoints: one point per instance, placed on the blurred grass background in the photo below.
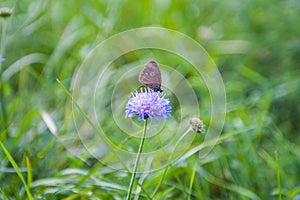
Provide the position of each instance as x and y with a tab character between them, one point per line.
256	46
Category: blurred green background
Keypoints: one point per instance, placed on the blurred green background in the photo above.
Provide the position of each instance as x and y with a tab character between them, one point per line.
256	46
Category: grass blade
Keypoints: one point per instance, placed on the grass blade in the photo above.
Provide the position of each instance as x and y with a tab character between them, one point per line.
15	166
278	176
29	172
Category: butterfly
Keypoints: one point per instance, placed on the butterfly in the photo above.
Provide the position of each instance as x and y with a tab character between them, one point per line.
150	76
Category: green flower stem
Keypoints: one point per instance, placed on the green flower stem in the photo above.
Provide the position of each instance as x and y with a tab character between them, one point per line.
137	161
3	104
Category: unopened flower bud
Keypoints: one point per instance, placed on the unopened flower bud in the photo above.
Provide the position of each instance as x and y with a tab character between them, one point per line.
197	125
5	12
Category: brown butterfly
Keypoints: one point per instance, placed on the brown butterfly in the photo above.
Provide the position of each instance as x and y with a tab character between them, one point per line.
150	76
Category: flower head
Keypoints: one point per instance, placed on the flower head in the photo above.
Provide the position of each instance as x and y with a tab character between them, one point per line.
197	125
148	104
5	12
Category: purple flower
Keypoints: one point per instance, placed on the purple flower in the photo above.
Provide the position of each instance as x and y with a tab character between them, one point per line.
1	58
148	104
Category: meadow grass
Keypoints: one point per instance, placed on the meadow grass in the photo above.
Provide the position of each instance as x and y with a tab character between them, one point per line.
255	45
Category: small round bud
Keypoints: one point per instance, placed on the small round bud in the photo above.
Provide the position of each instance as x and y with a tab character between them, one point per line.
197	125
5	12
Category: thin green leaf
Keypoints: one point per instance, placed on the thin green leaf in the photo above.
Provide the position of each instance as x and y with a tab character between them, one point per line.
15	166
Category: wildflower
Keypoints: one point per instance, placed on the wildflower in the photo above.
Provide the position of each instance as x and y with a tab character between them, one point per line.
5	12
197	125
1	58
148	104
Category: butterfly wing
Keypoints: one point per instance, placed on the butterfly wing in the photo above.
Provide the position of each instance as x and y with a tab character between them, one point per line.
151	75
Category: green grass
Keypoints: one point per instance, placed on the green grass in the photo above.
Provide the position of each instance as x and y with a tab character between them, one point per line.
255	45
